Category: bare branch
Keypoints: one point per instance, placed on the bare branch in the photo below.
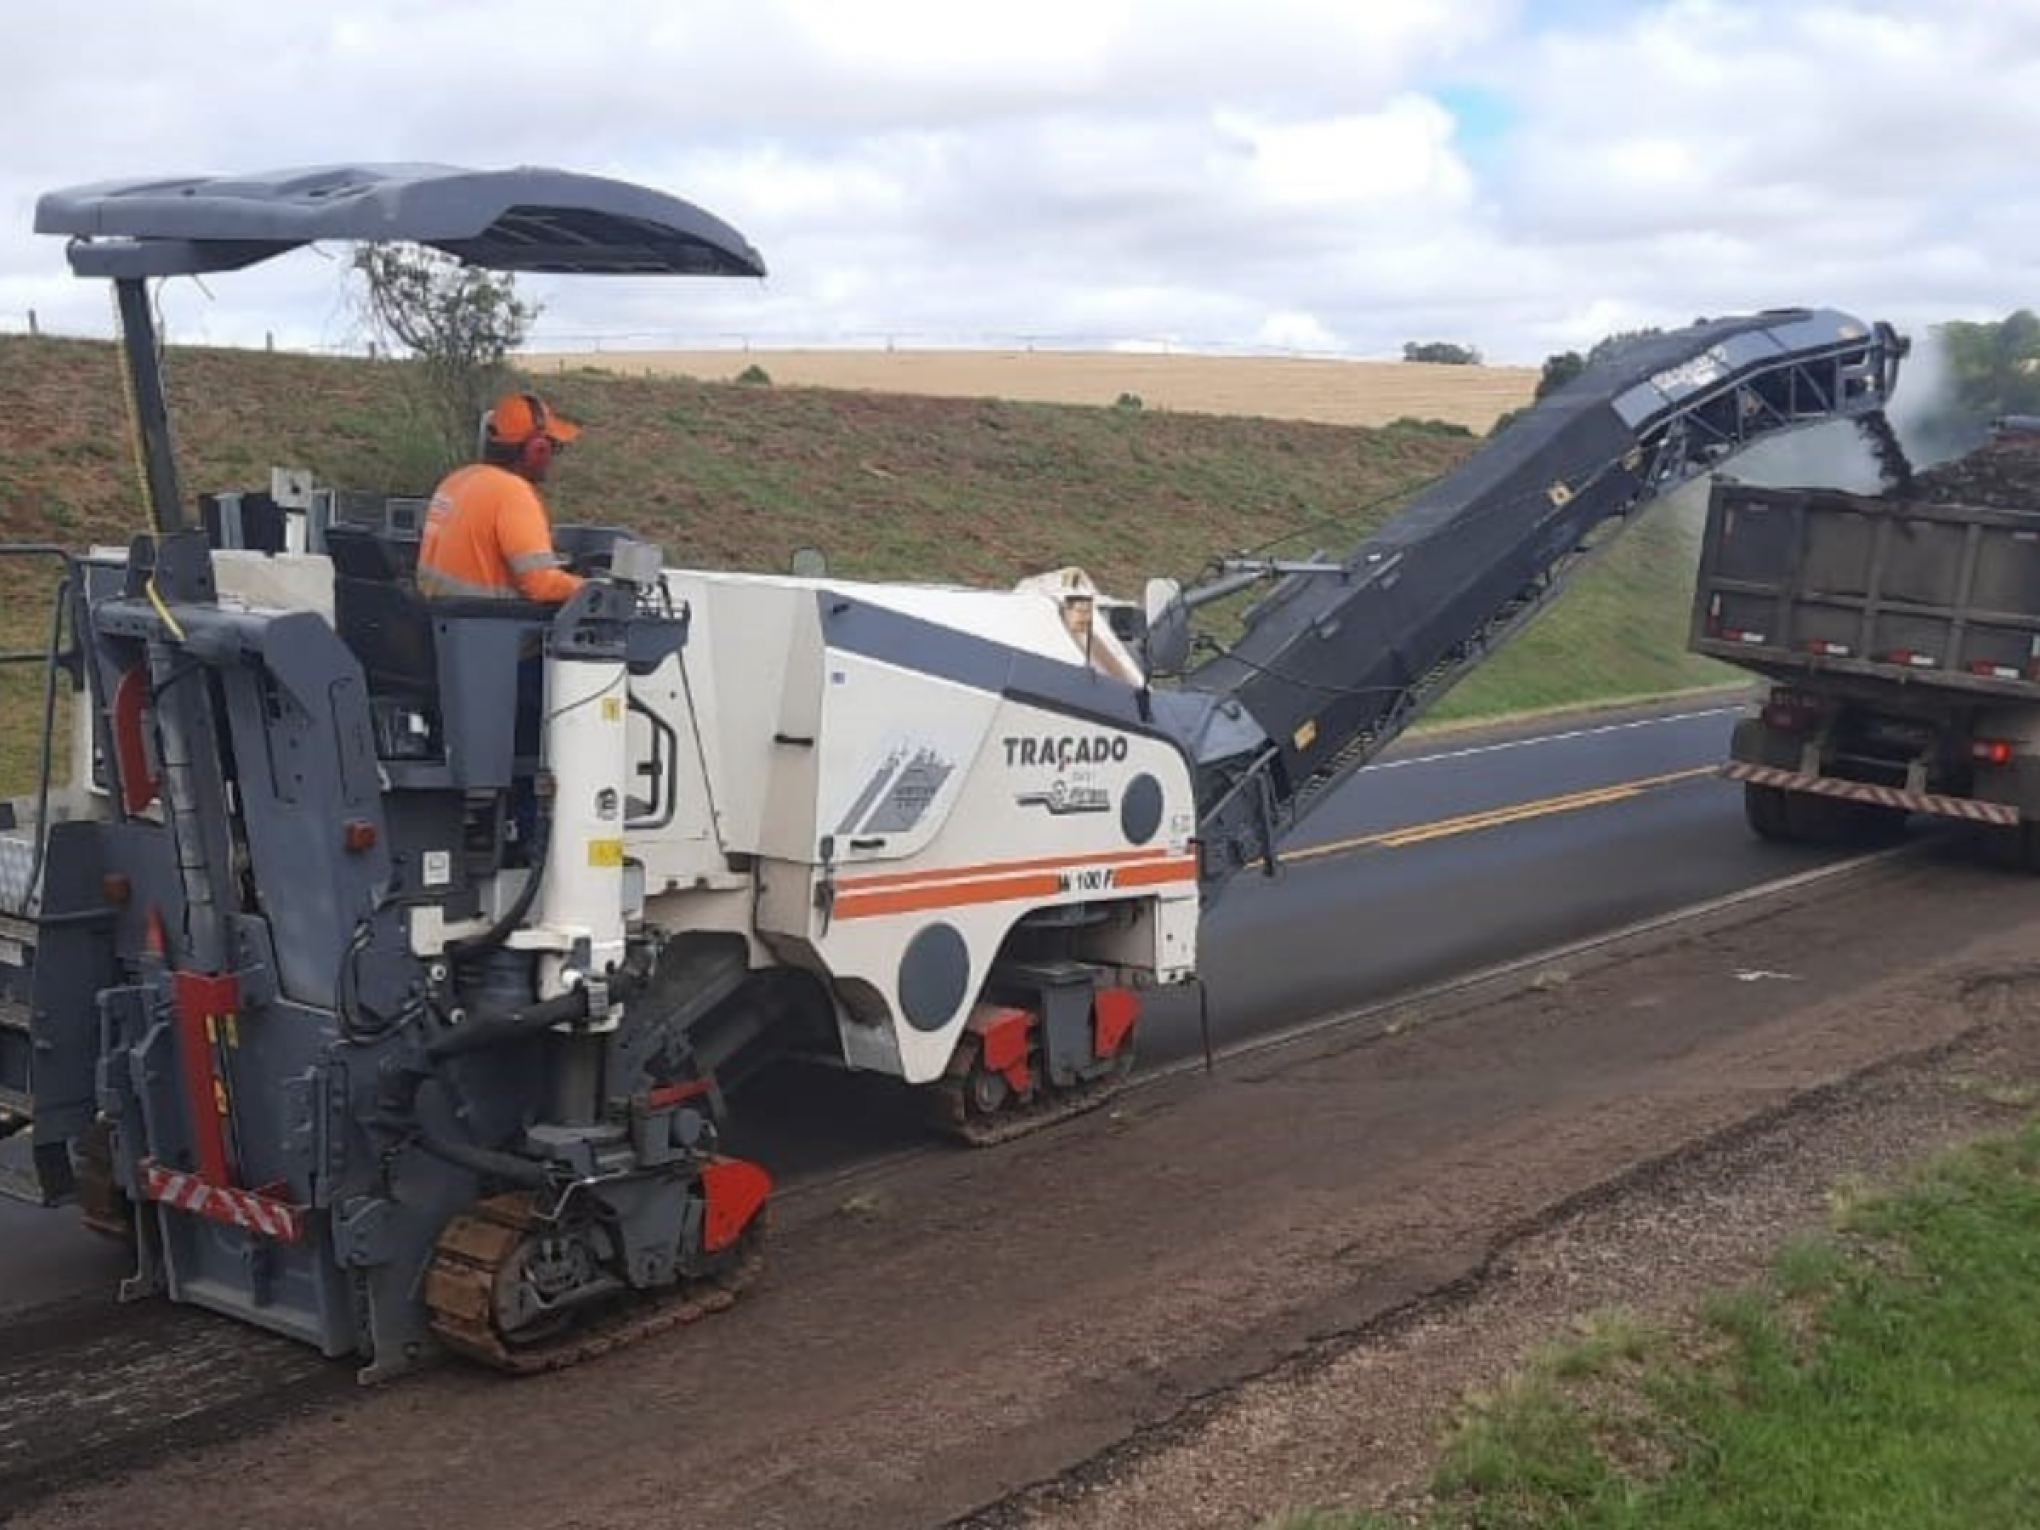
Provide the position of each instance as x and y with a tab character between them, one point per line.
455	323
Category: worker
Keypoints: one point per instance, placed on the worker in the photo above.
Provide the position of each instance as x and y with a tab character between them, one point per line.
487	535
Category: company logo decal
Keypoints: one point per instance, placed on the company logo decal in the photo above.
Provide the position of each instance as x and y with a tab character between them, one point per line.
1062	750
899	793
1068	797
1072	756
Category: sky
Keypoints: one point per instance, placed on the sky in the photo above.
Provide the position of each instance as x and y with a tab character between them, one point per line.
1325	177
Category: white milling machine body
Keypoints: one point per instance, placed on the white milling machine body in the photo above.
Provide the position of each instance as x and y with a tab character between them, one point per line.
389	1014
886	785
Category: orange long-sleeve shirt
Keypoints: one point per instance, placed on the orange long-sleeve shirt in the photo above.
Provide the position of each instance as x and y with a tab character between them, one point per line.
487	537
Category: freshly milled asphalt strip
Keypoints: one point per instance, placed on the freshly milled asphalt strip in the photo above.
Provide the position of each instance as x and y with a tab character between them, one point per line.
1376	1017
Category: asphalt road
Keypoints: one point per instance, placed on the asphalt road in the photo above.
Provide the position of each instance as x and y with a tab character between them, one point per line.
1450	856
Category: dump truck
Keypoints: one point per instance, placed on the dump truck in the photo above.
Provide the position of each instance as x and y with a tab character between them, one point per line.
1900	634
299	1004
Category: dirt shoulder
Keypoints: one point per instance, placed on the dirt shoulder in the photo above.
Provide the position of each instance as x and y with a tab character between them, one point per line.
1236	1292
1356	1419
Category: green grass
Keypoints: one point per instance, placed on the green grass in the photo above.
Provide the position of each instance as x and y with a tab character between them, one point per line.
1620	630
1887	1376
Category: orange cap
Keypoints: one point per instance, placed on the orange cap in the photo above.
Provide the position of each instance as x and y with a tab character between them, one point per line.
518	417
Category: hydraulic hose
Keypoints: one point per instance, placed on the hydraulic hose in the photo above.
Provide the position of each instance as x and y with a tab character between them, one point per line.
513	916
500	1029
490	1163
486	1162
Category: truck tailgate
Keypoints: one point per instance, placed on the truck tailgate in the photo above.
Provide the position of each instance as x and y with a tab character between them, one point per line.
1800	581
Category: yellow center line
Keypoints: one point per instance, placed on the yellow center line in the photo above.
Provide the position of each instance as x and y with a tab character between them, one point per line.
1494	818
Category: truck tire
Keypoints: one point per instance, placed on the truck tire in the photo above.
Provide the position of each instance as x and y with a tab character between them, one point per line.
1874	824
1816	820
1806	818
1768	812
2012	847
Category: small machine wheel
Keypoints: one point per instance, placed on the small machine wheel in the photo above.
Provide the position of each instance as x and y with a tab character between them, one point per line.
988	1091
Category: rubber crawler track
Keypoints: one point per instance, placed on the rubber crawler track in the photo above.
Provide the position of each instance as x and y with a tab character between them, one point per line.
460	1292
950	1113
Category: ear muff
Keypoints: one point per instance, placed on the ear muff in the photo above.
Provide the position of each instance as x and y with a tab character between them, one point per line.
537	452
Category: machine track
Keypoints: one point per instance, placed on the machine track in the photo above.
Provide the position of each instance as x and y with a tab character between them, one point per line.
953	1112
477	1246
102	1204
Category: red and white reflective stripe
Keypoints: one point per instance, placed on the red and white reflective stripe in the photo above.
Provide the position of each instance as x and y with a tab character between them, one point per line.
1742	635
1965	808
223	1203
1831	649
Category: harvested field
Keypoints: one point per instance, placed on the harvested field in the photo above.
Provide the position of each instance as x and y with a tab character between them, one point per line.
1331	392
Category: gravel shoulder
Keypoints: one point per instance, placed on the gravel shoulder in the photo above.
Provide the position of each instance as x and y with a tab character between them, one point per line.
1356	1420
1262	1287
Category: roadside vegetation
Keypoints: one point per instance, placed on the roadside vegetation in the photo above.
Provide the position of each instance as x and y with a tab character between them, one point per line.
1882	1375
971	491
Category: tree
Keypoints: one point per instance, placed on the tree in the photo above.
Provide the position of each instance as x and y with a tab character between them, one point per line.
1562	367
1984	370
1559	370
1613	345
1442	352
453	323
1993	369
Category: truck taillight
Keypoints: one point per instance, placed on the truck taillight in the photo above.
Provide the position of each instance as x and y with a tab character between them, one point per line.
1991	751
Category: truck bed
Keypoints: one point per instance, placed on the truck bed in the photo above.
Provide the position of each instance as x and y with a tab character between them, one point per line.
1871	593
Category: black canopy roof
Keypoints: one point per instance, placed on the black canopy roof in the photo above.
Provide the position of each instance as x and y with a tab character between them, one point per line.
527	219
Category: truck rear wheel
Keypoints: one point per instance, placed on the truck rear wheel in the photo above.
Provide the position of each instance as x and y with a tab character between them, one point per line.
2013	847
1816	820
1806	818
1874	824
1765	807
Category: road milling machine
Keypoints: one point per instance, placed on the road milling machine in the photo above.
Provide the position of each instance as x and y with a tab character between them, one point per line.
385	1017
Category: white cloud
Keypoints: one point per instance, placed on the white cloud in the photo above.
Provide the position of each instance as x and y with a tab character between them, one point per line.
1292	331
1308	174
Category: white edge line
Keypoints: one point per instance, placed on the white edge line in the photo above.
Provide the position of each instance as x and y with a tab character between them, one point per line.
1552	738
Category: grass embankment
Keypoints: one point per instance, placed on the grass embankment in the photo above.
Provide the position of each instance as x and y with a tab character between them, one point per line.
1887	1374
972	491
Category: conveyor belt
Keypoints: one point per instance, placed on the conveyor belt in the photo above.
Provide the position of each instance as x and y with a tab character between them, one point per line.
1332	667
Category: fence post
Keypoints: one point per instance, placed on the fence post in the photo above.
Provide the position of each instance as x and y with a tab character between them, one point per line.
33	328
